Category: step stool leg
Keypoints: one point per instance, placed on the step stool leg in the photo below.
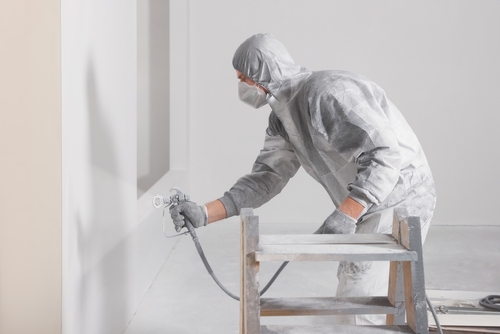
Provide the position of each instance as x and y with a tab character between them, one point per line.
242	278
396	293
249	298
414	281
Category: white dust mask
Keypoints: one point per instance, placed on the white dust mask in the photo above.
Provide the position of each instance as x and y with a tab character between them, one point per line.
251	95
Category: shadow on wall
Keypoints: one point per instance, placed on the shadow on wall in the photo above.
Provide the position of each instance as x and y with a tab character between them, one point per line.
153	101
103	258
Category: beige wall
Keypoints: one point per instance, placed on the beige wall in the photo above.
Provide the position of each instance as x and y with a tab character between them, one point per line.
30	167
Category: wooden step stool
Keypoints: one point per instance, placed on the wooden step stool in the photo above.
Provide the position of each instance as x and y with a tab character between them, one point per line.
403	248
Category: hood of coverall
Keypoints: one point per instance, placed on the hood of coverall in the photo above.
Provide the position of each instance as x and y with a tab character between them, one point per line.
264	60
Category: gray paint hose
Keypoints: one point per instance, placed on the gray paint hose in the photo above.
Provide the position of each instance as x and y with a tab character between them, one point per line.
211	272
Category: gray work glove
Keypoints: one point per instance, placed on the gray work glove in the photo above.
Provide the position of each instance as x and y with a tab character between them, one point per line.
189	211
337	223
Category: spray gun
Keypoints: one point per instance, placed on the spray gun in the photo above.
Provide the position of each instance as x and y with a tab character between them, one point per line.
160	201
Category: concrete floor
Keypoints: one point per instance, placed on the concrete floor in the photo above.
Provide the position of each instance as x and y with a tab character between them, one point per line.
184	300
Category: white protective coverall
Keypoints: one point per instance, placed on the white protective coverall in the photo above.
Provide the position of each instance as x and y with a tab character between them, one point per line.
343	130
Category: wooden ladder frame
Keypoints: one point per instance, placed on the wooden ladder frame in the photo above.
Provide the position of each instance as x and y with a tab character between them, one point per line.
406	294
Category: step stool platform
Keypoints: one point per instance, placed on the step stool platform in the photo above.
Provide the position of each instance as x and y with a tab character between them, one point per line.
334	252
325	306
329	329
305	239
332	247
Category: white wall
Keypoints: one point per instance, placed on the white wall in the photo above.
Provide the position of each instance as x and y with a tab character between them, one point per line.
113	246
437	60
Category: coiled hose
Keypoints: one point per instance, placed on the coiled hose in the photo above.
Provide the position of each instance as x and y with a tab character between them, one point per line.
491	302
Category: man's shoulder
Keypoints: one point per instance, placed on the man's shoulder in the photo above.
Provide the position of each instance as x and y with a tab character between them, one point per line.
334	82
339	77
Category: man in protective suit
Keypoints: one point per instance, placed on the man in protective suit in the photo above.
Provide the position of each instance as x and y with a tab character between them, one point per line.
345	133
